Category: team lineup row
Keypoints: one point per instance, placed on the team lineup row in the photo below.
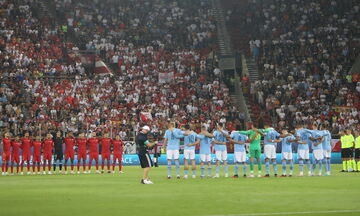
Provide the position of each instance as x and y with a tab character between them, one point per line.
317	140
12	146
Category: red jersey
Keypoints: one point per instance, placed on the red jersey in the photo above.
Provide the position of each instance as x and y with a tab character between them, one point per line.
118	146
6	145
69	144
26	145
15	147
37	148
81	144
105	145
94	145
48	145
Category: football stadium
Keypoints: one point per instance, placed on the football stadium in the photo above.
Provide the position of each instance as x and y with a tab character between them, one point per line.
179	107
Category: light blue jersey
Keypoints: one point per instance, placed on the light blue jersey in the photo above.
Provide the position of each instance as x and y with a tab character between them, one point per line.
205	143
285	144
221	138
190	139
173	137
316	134
304	135
272	135
240	138
326	144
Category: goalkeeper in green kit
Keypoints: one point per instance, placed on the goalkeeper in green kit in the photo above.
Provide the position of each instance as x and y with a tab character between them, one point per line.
255	148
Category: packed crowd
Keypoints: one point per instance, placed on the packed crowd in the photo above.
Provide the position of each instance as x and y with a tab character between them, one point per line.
138	42
304	51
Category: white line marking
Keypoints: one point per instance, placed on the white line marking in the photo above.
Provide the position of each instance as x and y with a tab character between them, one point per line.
291	213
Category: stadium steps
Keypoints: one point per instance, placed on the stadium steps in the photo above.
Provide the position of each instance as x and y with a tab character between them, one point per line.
253	69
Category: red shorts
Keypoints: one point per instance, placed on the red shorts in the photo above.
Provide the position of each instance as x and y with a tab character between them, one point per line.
69	155
6	156
105	156
48	156
26	156
81	155
117	156
36	158
94	156
15	158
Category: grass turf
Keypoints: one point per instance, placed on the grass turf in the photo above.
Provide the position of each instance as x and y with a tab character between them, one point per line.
122	194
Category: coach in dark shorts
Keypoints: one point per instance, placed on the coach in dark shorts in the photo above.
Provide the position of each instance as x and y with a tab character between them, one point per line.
142	146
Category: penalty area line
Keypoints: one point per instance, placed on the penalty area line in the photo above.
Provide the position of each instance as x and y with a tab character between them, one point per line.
291	213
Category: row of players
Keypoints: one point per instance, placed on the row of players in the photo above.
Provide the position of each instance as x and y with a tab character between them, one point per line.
319	140
12	145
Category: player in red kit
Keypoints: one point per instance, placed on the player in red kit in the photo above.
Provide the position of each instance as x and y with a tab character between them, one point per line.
94	151
105	152
117	153
37	144
15	154
81	143
69	151
6	153
48	148
26	146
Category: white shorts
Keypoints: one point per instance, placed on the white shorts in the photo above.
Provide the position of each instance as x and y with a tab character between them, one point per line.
205	157
221	155
189	154
172	154
327	153
270	151
287	155
318	154
303	154
240	157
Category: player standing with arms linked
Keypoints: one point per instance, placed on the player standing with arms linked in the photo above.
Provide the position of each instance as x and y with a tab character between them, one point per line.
190	141
255	147
205	151
220	149
142	146
239	152
6	154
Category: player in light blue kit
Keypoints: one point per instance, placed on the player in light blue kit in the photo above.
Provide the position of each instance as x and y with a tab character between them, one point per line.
302	136
205	152
316	144
326	145
271	139
172	145
220	149
286	152
190	141
239	152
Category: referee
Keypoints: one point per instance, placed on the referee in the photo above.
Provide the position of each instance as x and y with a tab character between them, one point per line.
142	145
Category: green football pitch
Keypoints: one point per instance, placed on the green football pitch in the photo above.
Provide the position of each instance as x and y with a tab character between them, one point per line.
122	194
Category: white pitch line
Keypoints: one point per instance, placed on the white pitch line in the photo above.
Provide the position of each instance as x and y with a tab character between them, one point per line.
291	213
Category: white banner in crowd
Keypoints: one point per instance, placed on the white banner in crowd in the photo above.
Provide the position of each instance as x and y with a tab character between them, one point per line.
166	77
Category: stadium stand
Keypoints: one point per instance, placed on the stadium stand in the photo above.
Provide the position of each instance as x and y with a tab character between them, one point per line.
42	83
304	51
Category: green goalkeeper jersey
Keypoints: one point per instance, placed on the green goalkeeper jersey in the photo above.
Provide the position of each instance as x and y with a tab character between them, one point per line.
255	144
